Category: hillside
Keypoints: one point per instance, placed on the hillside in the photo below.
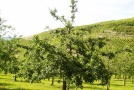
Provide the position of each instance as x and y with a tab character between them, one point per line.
123	28
120	33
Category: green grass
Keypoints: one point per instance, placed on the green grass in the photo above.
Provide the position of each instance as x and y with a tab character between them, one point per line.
7	83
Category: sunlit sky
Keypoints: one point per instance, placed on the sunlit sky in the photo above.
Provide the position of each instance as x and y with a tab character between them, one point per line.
32	16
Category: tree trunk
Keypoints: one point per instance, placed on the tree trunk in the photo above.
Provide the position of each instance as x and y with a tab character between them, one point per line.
48	78
119	77
64	85
115	76
15	77
68	85
133	79
5	72
52	81
124	81
108	85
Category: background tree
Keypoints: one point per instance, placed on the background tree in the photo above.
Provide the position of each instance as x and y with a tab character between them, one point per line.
37	63
108	54
124	62
34	61
8	52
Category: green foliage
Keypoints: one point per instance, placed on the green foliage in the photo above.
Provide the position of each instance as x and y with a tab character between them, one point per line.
75	54
80	53
35	63
9	50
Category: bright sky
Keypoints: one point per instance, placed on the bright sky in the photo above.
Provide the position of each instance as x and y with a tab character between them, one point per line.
32	16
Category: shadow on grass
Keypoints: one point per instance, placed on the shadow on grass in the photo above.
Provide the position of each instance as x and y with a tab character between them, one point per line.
118	79
90	87
3	85
116	85
2	88
20	89
94	88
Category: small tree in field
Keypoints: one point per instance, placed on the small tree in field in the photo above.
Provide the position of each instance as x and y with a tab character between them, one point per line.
78	54
124	63
108	54
66	42
36	65
8	46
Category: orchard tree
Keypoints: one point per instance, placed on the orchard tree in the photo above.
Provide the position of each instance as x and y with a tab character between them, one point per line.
131	72
88	54
36	65
9	50
124	62
13	65
108	54
78	53
33	64
66	42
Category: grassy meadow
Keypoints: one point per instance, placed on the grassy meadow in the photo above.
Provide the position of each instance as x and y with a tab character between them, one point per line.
7	83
